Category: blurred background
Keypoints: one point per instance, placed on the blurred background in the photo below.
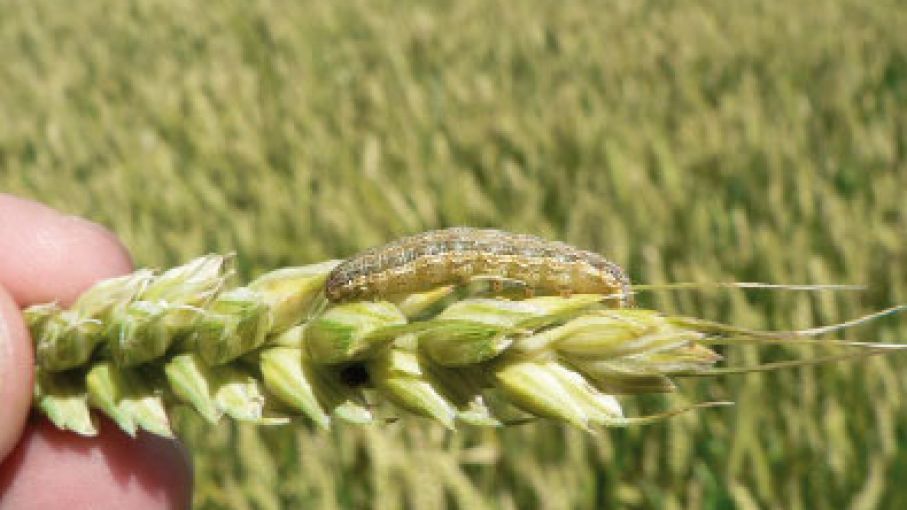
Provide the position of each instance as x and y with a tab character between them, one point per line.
693	141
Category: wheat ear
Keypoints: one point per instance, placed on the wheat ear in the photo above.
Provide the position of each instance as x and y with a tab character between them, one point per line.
134	346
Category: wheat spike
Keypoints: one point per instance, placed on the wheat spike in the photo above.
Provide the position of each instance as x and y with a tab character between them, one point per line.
134	346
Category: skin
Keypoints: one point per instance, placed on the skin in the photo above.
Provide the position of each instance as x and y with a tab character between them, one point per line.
47	256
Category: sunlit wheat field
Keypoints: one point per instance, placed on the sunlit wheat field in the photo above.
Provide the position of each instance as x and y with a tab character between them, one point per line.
694	141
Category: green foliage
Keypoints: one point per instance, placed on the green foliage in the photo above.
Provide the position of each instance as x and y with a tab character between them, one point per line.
703	141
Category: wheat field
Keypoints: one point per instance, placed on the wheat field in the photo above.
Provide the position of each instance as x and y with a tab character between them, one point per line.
697	141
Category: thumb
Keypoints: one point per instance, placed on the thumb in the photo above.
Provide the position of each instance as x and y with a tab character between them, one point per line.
16	373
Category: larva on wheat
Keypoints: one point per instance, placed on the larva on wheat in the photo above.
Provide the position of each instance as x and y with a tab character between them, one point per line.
455	255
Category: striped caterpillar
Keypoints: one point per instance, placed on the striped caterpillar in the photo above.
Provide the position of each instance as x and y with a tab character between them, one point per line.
456	255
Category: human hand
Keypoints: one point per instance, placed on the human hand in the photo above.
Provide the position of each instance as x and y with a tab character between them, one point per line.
46	256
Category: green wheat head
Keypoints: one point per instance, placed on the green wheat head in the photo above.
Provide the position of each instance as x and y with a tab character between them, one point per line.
134	346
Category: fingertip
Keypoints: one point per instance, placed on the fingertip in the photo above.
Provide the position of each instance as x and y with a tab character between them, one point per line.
47	256
56	469
16	373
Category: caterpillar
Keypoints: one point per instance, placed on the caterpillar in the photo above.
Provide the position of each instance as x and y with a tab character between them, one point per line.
455	255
